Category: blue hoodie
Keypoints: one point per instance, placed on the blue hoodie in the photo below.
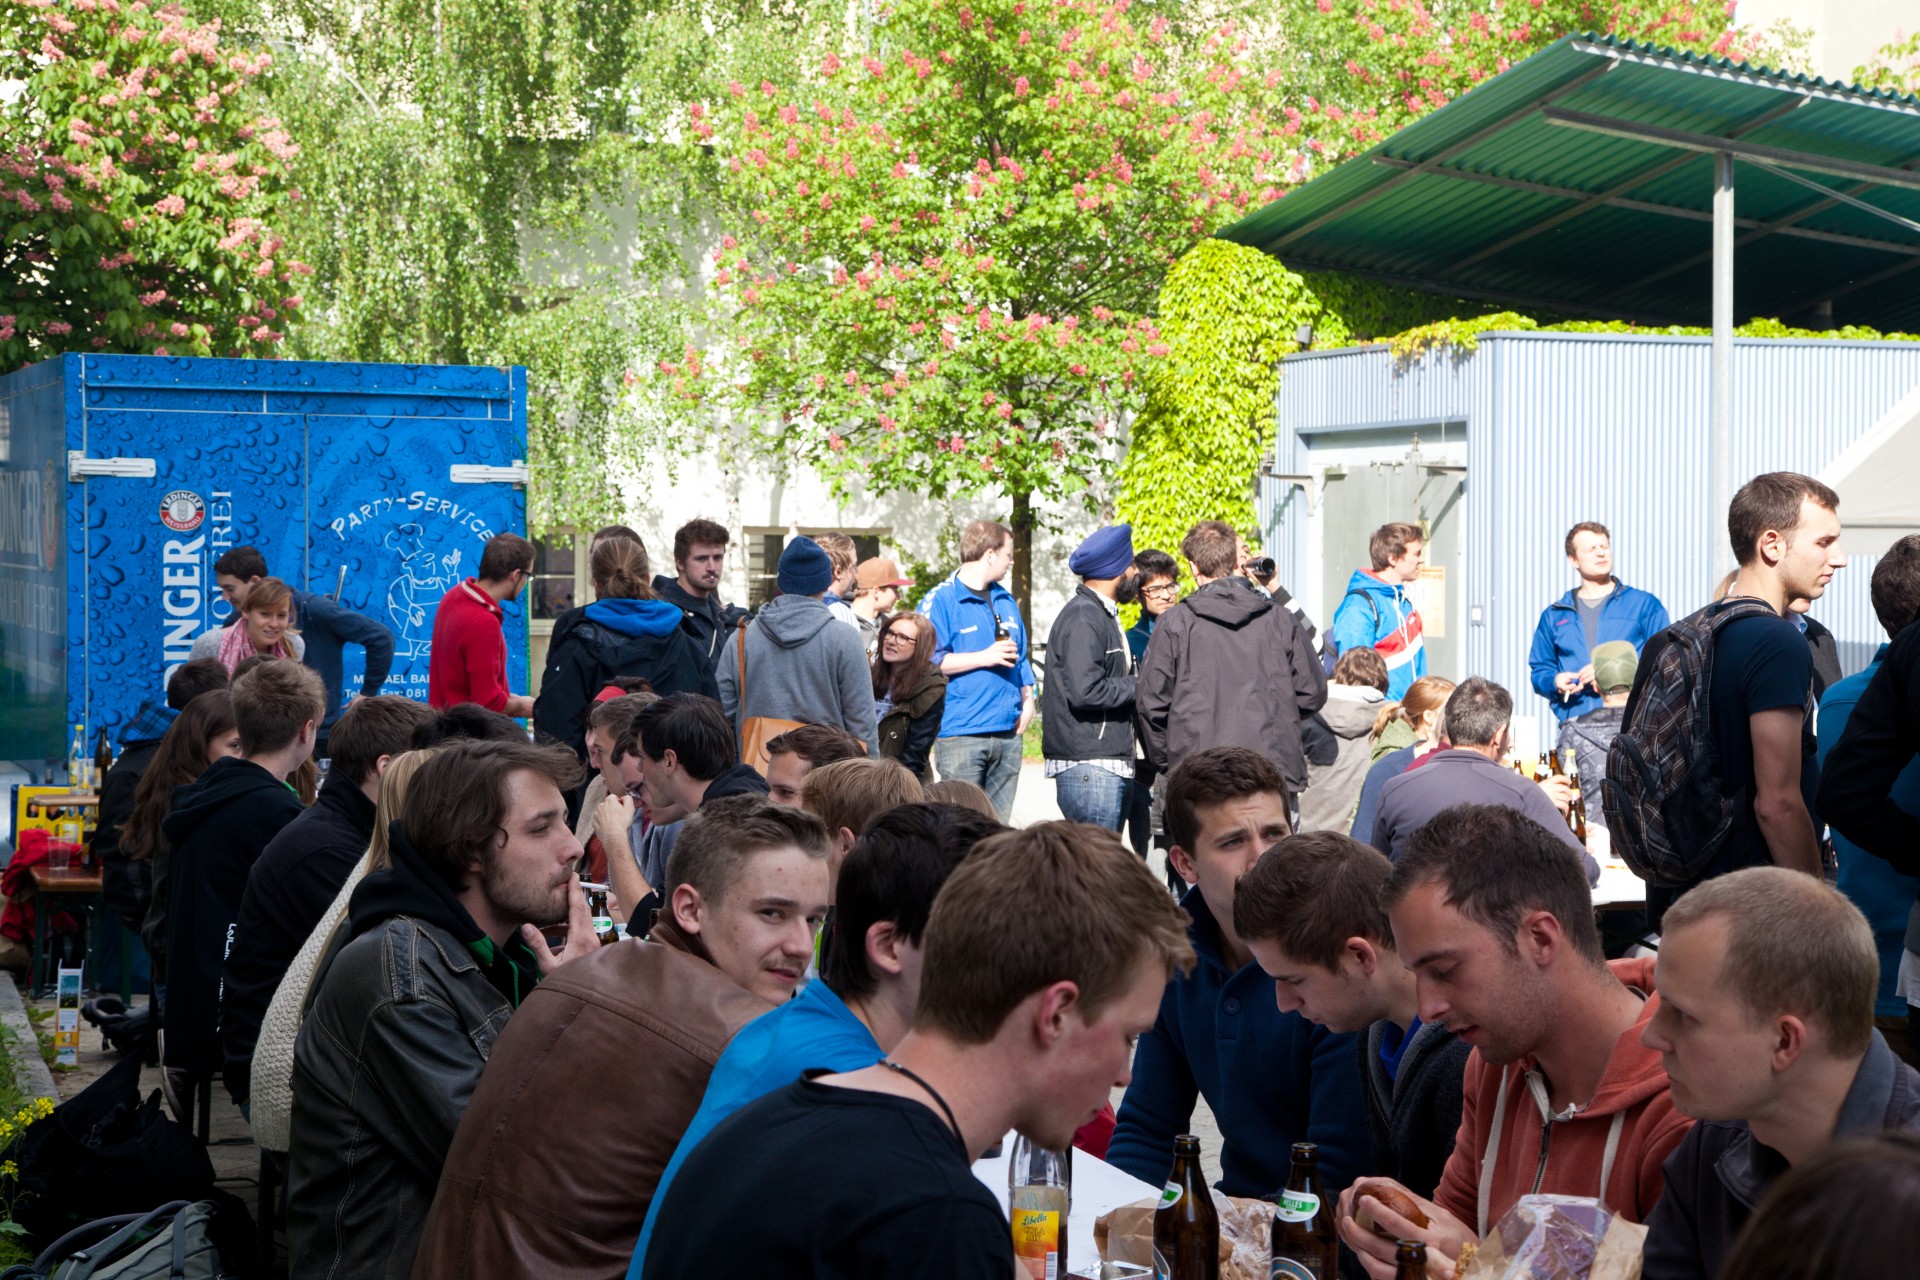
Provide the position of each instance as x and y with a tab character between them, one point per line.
612	638
1271	1078
635	617
1380	615
1560	642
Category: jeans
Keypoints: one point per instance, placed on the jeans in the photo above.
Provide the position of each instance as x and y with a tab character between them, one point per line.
990	761
1087	793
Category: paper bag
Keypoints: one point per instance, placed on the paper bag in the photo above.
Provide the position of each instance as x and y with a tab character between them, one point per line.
1125	1234
1543	1238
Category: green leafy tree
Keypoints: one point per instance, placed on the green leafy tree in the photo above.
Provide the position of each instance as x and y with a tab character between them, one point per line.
1358	73
506	182
943	251
144	187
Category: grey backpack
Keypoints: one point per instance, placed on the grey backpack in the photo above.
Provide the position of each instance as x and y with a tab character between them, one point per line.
167	1243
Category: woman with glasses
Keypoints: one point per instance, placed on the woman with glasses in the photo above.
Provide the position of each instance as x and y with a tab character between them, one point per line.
909	692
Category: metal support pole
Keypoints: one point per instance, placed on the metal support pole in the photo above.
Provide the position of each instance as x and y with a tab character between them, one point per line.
1720	450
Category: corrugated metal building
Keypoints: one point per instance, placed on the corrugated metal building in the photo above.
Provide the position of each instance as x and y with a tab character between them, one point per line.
1500	450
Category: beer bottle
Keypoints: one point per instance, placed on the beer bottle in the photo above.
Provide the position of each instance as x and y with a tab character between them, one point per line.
102	758
602	917
1304	1247
1000	631
1553	759
1039	1189
1545	767
1410	1261
1577	815
1186	1230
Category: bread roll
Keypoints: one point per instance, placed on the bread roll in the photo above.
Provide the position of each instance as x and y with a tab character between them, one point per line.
1393	1198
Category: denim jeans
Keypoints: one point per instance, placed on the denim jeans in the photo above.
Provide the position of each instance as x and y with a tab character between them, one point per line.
1087	793
991	761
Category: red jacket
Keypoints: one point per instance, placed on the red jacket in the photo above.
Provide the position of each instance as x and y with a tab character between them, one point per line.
1632	1110
468	662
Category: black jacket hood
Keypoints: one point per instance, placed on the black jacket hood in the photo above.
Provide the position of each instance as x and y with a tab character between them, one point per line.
225	781
408	888
740	780
1229	602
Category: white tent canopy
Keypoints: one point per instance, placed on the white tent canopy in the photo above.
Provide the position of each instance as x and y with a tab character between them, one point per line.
1878	480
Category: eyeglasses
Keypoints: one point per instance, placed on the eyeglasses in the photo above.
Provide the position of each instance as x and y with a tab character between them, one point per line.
1163	589
904	637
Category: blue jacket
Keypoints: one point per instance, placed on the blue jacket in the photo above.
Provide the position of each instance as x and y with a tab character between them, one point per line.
986	699
1884	896
1271	1078
1380	615
1560	643
815	1029
328	628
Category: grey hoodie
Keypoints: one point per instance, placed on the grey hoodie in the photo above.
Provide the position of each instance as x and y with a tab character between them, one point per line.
802	664
1334	789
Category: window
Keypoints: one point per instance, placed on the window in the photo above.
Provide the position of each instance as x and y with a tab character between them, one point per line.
763	555
552	590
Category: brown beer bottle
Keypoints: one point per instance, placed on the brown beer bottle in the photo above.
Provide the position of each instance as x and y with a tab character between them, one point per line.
602	917
1186	1230
1304	1247
1410	1261
1545	767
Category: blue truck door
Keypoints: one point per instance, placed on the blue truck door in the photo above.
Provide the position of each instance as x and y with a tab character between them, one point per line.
404	506
221	479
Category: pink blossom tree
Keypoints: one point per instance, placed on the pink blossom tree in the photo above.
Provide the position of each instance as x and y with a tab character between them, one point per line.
943	251
140	184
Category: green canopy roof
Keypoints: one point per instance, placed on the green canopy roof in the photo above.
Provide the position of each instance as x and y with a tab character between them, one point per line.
1581	181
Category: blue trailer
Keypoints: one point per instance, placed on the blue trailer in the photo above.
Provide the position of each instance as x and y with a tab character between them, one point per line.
122	479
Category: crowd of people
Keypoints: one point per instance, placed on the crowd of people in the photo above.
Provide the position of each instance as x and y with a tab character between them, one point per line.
828	974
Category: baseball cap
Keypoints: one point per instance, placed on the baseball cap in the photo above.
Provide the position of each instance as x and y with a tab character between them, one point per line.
879	572
1613	665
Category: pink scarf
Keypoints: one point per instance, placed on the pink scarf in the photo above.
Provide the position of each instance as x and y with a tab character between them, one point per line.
237	646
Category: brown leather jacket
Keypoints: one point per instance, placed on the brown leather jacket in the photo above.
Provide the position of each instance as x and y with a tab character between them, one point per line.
552	1171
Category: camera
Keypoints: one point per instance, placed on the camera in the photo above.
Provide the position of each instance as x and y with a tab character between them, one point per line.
1262	567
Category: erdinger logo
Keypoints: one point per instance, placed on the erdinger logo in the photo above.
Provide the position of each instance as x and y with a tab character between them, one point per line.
182	511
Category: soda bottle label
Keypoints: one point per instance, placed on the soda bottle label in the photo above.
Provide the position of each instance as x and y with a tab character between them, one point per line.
1036	1243
1169	1196
1297	1206
1292	1269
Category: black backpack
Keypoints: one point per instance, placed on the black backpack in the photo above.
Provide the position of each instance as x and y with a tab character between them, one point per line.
1666	813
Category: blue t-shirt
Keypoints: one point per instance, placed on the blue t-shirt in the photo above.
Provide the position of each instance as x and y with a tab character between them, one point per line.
1759	664
986	699
814	1029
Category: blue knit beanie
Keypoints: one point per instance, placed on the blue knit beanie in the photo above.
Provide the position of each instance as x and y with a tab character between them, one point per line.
805	569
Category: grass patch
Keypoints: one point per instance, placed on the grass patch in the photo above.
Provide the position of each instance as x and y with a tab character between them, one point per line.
12	1103
11	1098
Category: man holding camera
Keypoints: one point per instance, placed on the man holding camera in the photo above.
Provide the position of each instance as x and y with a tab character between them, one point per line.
1227	667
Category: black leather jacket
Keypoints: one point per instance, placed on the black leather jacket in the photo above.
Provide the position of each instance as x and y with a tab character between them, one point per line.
404	1019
